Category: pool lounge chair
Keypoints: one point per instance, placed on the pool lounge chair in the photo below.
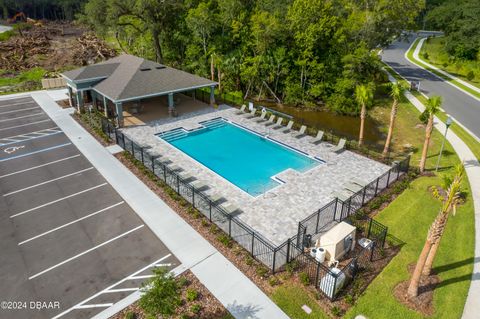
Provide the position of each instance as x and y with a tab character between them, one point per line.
185	176
278	125
300	133
174	168
242	109
352	187
288	128
340	147
318	138
270	120
341	196
360	182
230	208
215	197
262	117
251	114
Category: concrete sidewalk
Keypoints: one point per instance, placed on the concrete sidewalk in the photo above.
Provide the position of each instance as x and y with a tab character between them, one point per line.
472	168
228	284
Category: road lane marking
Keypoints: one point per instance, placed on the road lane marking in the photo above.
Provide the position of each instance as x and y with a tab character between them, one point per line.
22	125
35	152
112	291
98	305
49	181
22	117
71	223
38	166
85	252
57	200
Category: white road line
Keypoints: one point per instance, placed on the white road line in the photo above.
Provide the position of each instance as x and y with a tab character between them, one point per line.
28	108
71	223
110	287
141	277
22	117
22	125
112	291
49	181
57	200
163	265
38	166
85	252
34	132
26	102
98	305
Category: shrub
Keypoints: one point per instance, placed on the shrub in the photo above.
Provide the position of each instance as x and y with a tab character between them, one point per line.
225	240
425	55
205	223
291	266
470	75
304	279
213	229
160	294
445	64
336	311
182	281
195	308
273	281
262	271
130	315
349	300
191	294
249	260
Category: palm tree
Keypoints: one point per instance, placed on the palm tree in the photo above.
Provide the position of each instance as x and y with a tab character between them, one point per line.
364	96
396	91
432	107
436	230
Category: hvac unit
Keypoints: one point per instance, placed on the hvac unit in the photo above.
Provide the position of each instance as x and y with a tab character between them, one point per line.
338	241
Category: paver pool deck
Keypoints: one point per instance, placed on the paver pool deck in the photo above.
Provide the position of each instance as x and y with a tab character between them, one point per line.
276	213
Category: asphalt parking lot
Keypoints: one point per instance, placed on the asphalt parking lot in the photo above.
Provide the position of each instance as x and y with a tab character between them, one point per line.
67	239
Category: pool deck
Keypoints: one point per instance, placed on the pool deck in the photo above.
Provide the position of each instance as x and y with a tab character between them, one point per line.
276	213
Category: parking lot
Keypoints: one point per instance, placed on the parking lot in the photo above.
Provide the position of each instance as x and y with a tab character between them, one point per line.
67	238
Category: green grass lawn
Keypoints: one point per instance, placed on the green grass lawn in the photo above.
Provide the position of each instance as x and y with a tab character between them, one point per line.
291	299
438	57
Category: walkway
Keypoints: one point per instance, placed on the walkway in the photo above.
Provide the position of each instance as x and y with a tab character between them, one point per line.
228	284
472	168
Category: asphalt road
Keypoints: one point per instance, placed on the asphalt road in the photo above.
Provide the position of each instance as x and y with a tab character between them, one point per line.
461	106
67	238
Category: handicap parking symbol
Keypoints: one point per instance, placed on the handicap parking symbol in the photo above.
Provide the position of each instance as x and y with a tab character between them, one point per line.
13	149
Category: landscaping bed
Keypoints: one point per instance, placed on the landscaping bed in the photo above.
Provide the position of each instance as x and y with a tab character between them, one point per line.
93	126
196	302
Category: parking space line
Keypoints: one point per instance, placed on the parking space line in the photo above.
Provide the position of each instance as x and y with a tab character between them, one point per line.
22	117
71	223
112	291
26	102
34	132
35	152
29	138
38	166
98	305
58	200
22	125
79	305
85	252
49	181
140	277
13	111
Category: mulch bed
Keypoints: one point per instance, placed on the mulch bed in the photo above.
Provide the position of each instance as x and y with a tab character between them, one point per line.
210	307
92	132
64	104
423	303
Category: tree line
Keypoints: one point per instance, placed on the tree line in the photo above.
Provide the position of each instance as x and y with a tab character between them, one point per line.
41	9
308	52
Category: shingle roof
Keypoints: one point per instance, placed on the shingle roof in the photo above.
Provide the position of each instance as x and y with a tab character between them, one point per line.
130	77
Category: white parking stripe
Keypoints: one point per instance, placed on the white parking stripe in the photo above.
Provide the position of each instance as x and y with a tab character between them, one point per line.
85	252
140	277
26	102
57	200
49	181
71	223
38	166
29	108
22	117
22	125
98	305
112	291
34	132
110	287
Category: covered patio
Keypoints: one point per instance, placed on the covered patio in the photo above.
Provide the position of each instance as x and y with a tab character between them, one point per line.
134	91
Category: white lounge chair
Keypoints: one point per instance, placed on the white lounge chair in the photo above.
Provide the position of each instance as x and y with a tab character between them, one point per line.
341	196
270	120
262	117
198	185
352	187
230	209
242	109
340	146
318	138
251	114
360	182
288	128
278	125
301	132
215	197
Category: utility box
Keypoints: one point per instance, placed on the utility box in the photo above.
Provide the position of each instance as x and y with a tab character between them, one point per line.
338	241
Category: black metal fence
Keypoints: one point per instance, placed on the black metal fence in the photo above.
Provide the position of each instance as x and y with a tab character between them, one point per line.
327	281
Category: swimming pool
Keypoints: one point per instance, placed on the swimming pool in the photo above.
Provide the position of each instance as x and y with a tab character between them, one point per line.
244	158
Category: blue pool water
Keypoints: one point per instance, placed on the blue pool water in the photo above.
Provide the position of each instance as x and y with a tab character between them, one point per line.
242	157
